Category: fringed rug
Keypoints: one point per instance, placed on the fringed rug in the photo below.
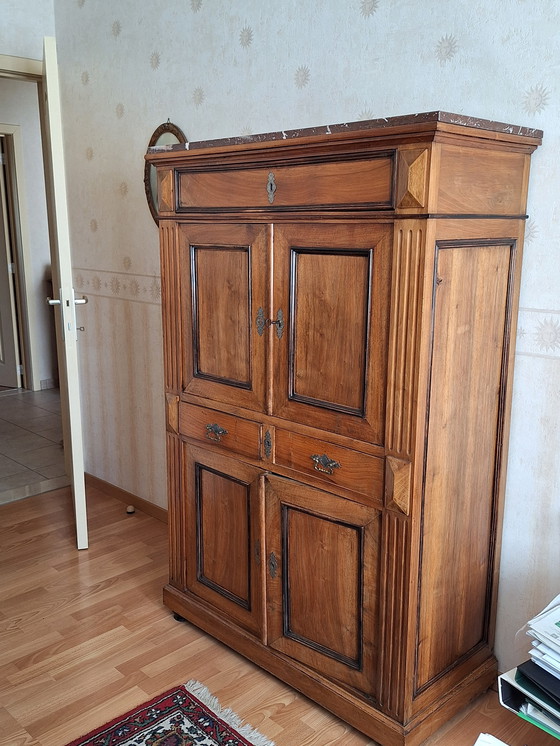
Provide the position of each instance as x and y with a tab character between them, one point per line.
185	716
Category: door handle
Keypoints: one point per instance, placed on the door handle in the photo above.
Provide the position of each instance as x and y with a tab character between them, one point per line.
77	301
67	307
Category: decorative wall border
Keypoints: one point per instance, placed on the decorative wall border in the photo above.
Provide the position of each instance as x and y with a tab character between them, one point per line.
538	329
538	333
118	285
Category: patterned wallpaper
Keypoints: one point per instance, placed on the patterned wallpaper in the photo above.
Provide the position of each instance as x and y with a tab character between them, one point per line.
220	68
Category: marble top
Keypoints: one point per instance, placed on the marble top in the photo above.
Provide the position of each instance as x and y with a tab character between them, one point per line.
398	121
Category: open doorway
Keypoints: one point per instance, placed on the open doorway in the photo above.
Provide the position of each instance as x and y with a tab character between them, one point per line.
14	338
32	458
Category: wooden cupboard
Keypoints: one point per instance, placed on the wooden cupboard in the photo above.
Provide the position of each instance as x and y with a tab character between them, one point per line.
339	317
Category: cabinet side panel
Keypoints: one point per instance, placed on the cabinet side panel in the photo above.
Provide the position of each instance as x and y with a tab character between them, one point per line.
470	330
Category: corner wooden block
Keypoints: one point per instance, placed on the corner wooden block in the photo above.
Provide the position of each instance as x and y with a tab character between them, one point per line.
172	401
397	485
412	178
165	191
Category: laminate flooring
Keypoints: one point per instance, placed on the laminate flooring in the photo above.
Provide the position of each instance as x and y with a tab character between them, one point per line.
84	637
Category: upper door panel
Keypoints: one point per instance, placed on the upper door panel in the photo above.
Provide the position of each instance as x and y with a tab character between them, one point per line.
331	290
223	286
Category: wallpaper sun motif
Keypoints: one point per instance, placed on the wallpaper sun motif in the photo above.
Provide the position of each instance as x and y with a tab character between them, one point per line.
220	68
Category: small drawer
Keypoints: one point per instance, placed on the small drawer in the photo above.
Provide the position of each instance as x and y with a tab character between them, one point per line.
352	183
223	430
344	467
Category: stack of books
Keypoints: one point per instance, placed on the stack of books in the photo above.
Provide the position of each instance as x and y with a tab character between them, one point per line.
532	690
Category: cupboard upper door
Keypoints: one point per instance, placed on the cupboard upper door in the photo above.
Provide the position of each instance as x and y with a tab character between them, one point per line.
331	290
323	567
223	286
224	516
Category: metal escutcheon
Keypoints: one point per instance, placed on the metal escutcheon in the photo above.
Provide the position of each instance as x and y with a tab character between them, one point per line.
271	187
272	565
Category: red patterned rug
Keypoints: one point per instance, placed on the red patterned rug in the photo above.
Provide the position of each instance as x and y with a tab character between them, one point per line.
185	716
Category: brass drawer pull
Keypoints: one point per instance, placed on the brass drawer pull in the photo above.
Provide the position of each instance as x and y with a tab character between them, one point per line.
324	464
215	432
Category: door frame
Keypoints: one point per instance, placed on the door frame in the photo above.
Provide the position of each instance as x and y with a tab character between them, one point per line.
16	228
25	69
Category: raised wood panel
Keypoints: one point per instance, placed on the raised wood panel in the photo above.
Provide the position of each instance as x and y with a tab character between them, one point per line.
482	182
224	535
471	319
224	284
338	466
344	183
222	314
323	564
220	430
170	295
331	283
322	317
404	340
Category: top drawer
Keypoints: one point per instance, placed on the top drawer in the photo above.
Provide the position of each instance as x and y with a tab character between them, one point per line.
364	183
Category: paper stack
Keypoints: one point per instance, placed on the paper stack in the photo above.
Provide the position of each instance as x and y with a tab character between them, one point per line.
532	690
485	739
545	631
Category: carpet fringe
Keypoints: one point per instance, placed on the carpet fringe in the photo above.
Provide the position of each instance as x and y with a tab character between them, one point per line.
202	693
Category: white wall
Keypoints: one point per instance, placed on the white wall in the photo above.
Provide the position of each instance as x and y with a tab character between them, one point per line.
224	67
23	25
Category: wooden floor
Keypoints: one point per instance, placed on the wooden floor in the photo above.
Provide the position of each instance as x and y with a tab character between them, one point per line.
84	637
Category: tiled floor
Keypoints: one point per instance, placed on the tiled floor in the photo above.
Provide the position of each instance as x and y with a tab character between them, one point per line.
31	451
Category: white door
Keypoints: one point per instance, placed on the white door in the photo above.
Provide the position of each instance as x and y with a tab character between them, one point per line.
9	354
67	334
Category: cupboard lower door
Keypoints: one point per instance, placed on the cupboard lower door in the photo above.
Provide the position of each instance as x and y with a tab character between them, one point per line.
224	519
322	575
